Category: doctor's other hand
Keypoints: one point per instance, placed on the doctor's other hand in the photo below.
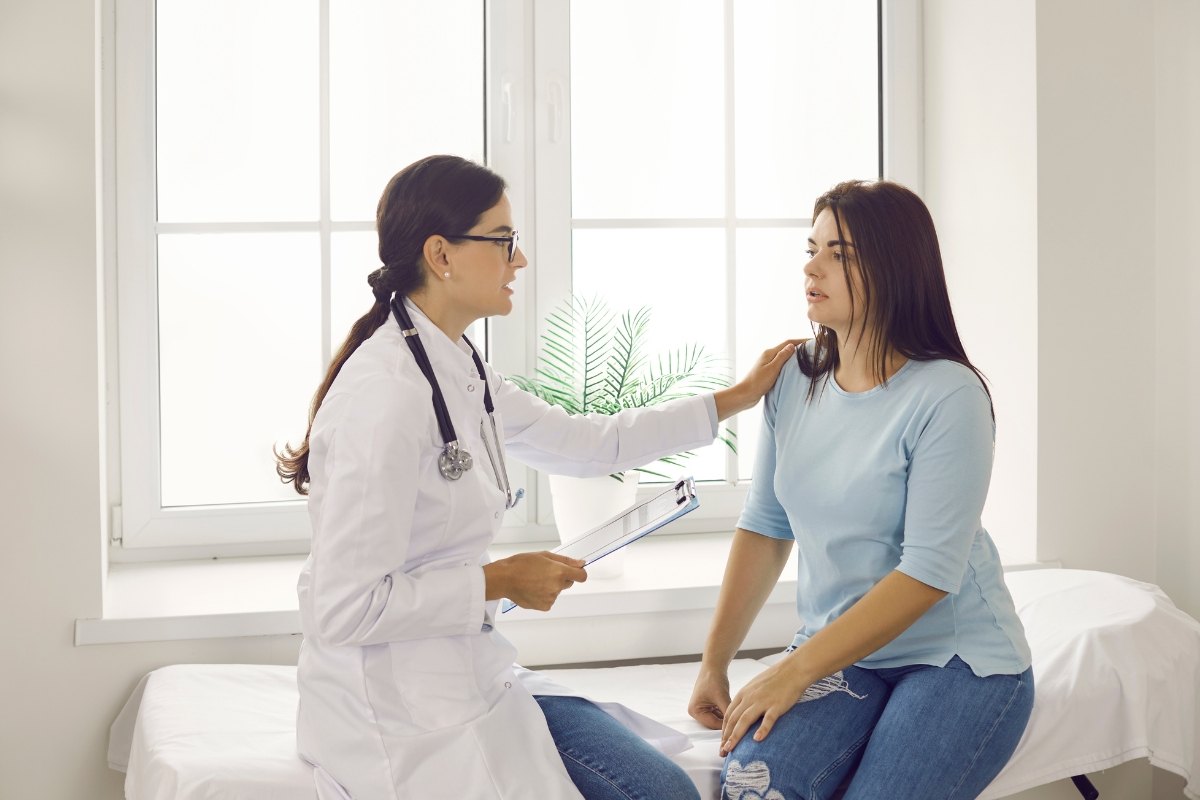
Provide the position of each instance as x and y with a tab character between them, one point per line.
532	580
710	698
758	380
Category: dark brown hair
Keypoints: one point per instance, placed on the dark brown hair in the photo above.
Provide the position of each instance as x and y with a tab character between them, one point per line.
906	303
438	195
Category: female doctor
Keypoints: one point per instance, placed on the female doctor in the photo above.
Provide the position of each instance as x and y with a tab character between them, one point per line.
406	690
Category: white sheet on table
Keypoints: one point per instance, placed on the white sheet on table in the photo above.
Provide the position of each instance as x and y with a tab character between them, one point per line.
199	731
209	731
1116	667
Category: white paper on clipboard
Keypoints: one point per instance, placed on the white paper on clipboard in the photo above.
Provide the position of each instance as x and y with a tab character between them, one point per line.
629	526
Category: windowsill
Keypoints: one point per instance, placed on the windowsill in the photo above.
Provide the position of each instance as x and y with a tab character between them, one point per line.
671	576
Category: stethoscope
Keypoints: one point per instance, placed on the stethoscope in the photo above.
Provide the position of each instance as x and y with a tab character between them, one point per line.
455	459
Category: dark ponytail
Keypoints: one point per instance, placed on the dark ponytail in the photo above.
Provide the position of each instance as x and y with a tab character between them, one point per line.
436	196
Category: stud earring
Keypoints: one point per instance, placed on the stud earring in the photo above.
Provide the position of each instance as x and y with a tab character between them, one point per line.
447	274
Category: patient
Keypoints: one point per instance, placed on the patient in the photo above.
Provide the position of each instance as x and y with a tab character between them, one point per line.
874	457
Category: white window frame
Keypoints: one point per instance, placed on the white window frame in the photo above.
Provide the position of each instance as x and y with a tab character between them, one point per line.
528	142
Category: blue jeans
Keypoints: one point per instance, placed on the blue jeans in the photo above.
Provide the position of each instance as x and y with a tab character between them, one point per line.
606	760
934	733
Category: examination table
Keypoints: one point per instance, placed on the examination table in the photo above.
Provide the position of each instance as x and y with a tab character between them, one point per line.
1117	668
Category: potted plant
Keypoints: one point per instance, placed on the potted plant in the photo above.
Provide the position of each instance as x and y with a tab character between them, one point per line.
594	361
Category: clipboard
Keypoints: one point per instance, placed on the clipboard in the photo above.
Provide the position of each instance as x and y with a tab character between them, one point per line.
629	526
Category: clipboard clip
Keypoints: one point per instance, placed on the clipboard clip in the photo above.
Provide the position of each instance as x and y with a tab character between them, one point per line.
685	490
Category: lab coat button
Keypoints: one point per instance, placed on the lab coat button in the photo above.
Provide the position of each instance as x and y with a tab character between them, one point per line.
496	515
471	388
507	685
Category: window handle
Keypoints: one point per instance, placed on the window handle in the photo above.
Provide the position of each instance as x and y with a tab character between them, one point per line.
510	113
556	111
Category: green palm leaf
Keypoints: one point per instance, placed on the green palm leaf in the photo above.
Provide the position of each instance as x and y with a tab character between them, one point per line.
627	358
594	361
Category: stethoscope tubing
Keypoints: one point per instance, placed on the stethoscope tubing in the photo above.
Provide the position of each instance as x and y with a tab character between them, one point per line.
455	460
412	339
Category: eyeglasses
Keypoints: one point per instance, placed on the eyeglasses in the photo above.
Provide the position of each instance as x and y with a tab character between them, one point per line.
512	241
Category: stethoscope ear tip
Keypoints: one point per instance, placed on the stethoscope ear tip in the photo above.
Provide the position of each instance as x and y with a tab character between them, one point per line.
516	498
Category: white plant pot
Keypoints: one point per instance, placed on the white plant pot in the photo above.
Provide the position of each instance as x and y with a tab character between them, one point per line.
581	504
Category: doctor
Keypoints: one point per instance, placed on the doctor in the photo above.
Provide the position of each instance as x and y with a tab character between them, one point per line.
406	690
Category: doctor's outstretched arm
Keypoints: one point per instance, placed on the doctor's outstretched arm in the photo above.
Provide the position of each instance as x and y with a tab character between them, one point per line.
547	438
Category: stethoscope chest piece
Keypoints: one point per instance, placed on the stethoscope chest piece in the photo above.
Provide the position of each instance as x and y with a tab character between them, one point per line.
454	461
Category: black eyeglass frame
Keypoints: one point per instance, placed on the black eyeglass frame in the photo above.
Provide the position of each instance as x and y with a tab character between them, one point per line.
511	239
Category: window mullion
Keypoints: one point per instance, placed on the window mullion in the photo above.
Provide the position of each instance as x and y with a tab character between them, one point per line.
325	223
731	460
237	227
552	283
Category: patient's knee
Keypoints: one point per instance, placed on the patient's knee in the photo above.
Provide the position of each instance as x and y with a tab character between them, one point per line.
812	747
749	782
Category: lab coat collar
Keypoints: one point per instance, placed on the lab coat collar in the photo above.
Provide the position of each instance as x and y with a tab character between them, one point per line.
438	344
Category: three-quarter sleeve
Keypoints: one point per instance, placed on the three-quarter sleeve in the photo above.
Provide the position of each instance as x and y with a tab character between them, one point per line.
359	594
949	470
763	513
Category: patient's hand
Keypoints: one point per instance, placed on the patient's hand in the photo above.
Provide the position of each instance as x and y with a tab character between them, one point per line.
710	698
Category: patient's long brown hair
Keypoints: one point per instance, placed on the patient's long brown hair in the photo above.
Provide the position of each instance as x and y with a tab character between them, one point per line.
906	302
436	196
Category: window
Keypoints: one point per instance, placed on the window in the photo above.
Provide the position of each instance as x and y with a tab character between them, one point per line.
685	144
656	149
260	134
714	228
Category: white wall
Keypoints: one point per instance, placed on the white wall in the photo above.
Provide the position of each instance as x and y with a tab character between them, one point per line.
1096	284
1064	184
58	700
1062	170
1177	312
981	184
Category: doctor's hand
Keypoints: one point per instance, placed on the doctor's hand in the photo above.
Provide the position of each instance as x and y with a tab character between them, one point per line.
532	580
710	698
758	380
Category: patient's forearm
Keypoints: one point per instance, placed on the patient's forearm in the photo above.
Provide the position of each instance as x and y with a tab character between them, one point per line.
754	565
883	613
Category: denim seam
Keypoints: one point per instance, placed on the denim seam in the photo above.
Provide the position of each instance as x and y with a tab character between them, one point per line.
988	738
595	772
813	788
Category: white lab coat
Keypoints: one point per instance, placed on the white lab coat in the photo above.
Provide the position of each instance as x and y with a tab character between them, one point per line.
406	691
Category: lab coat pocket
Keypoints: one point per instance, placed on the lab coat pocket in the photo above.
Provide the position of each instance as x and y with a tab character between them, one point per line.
437	682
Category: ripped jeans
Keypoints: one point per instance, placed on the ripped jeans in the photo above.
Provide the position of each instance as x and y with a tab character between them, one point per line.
934	733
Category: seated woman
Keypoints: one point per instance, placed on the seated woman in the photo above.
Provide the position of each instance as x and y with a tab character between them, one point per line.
875	457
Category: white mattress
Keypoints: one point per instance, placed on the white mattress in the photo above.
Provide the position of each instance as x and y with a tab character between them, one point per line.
1117	668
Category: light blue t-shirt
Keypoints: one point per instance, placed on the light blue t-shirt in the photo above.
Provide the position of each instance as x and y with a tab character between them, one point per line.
889	479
